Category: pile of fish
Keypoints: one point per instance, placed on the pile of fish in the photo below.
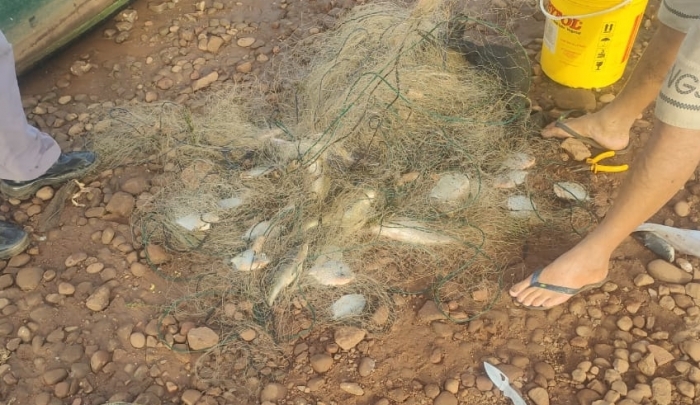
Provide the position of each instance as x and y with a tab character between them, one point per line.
329	268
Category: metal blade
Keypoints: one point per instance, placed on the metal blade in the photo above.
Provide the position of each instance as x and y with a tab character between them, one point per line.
501	381
497	377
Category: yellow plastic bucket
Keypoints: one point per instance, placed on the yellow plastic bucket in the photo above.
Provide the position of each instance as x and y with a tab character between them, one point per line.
587	43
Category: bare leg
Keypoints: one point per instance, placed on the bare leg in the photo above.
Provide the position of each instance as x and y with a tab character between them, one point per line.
610	126
668	160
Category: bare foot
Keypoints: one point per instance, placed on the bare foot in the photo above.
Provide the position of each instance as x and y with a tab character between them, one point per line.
609	132
574	269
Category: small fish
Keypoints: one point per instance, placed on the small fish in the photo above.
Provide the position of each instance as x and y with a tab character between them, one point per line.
332	273
520	203
287	274
193	222
356	215
519	161
249	260
451	188
348	305
657	245
570	191
411	231
685	241
230	203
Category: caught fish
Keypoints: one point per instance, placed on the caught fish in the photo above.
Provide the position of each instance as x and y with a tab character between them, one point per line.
520	204
511	179
197	222
248	260
411	231
193	222
287	274
570	191
657	245
320	183
332	273
519	161
451	188
685	241
356	215
230	203
348	305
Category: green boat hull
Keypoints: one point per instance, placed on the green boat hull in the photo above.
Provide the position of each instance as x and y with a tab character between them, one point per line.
38	28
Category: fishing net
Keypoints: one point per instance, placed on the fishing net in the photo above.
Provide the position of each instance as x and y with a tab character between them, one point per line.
378	170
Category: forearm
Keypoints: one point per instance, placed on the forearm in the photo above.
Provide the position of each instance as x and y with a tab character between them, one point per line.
670	157
647	77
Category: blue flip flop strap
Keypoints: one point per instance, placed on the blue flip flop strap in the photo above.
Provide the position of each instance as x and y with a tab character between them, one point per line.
534	282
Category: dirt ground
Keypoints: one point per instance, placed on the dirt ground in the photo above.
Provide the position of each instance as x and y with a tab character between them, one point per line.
81	315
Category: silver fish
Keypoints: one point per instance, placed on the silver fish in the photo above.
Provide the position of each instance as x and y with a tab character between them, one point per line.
288	273
685	241
348	305
332	272
250	260
411	231
657	245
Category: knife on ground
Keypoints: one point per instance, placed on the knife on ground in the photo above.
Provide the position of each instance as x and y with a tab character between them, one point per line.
501	381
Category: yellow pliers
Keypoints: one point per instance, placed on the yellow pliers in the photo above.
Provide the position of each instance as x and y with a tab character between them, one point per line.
596	168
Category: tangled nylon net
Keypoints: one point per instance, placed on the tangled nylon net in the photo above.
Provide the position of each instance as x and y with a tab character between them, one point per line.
376	173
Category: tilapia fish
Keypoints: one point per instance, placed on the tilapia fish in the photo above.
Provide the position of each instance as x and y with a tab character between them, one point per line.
685	241
287	274
250	260
332	272
348	305
411	231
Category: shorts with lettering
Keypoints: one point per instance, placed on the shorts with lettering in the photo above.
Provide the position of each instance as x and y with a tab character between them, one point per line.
678	103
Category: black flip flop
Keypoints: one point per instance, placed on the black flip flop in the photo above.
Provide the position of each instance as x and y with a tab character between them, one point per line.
534	282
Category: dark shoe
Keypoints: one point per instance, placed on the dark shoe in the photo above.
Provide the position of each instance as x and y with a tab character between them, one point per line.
13	240
69	166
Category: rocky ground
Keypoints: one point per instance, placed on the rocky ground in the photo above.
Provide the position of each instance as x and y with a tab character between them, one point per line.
81	311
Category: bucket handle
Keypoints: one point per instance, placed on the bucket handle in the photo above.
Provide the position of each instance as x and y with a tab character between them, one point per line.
581	16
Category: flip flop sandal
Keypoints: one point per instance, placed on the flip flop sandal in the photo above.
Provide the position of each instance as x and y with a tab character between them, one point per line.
534	282
559	123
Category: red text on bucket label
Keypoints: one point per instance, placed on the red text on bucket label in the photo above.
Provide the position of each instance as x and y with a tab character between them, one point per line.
572	25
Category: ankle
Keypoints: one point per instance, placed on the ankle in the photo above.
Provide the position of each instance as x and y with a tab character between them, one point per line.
618	116
596	252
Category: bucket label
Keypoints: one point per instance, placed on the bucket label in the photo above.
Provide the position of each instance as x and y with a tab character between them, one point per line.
550	35
605	38
573	25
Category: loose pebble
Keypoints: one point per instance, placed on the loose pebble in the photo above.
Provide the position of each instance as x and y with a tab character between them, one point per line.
539	396
682	208
445	398
202	338
352	388
348	337
664	271
321	363
366	366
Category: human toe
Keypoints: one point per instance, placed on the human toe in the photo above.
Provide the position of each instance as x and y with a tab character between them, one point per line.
518	288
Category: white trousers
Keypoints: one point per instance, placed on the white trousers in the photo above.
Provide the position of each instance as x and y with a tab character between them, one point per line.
25	152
